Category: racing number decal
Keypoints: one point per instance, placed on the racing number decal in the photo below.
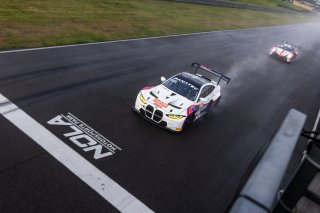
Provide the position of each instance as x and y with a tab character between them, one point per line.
159	103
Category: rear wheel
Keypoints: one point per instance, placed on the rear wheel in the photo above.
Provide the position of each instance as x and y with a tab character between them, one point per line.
212	105
215	103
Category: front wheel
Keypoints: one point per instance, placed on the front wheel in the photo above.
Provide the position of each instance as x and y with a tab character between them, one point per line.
189	120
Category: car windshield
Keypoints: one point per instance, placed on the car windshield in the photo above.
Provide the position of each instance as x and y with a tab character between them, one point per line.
182	87
287	48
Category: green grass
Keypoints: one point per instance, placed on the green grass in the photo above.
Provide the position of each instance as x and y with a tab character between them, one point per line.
268	3
271	3
54	22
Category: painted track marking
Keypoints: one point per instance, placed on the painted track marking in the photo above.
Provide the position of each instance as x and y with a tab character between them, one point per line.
93	177
315	126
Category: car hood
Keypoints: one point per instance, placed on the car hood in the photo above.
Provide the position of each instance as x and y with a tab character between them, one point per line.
282	52
167	100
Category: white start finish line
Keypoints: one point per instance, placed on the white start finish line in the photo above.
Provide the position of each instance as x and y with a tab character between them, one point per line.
88	173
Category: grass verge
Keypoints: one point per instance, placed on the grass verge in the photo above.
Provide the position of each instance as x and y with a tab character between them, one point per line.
55	22
271	3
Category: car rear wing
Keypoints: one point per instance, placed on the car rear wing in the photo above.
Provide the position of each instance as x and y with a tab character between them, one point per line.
219	75
294	45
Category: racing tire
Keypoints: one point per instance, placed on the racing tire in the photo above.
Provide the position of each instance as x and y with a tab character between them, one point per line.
216	102
211	107
189	120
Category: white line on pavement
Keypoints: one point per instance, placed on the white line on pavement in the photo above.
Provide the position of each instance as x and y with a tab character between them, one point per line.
97	180
316	122
315	126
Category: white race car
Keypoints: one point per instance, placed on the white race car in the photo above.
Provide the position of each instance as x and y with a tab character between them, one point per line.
181	99
285	51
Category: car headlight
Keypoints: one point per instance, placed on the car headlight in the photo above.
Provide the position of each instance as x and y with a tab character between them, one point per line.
141	98
273	49
175	116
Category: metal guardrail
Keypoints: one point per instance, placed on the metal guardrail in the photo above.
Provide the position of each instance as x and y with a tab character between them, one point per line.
260	191
303	191
298	186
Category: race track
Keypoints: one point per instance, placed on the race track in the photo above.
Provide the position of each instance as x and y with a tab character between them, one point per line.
198	170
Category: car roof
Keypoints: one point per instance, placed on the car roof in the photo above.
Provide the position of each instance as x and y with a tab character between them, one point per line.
287	46
195	80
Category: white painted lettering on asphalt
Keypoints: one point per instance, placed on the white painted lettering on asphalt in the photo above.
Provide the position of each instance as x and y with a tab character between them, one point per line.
81	130
88	173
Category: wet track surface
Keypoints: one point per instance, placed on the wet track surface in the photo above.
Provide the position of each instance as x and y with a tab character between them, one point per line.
196	171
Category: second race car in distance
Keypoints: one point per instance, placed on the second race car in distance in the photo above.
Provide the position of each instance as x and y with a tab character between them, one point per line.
181	99
285	51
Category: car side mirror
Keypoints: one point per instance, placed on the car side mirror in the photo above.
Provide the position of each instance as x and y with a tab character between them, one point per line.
163	79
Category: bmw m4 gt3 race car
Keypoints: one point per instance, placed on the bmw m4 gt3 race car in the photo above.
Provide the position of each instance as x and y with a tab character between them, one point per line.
285	51
181	99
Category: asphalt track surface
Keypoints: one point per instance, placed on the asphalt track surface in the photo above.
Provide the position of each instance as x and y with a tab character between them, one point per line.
199	170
